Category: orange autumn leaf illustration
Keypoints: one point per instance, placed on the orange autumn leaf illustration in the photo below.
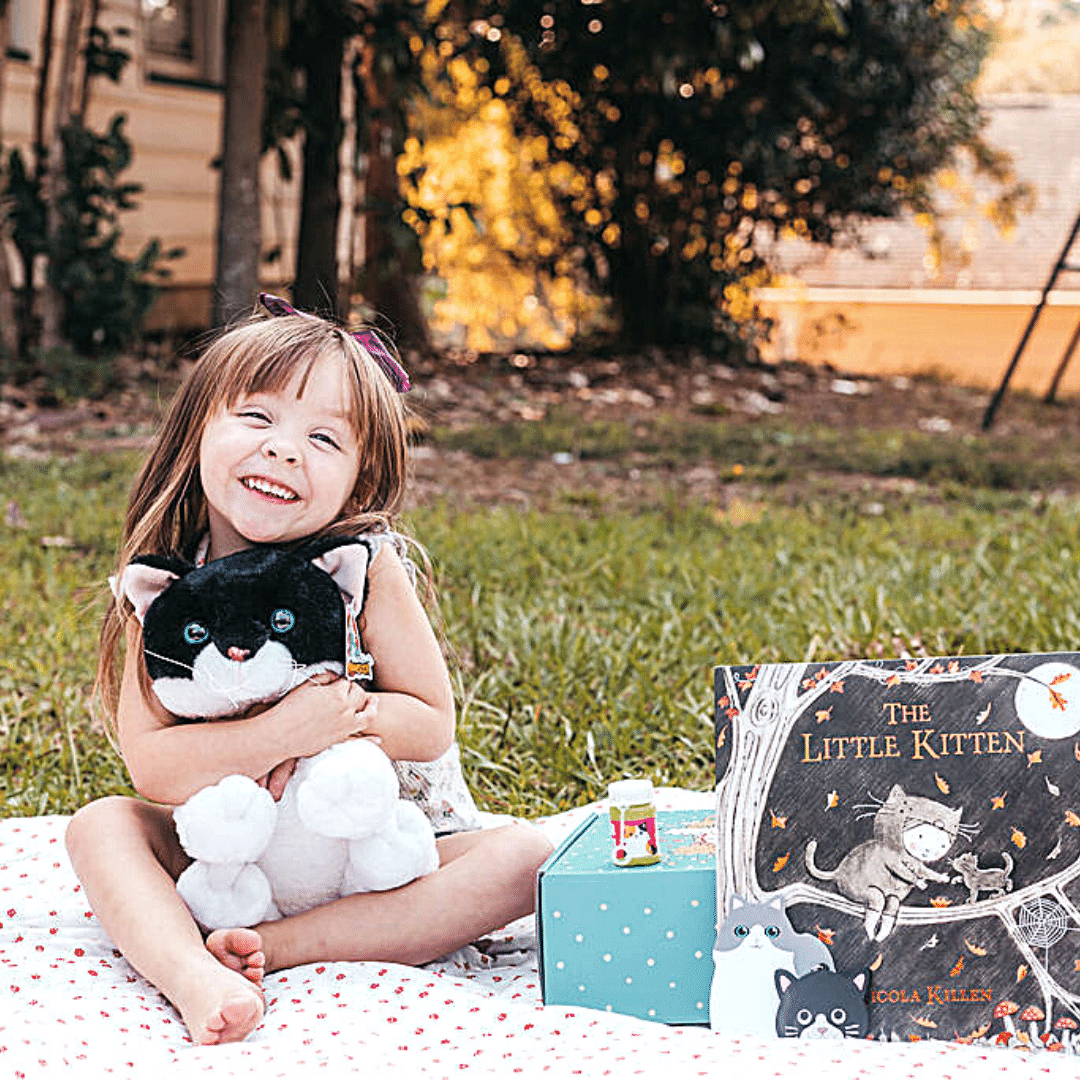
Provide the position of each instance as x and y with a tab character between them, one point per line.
825	935
979	1032
876	963
722	737
1034	758
832	800
937	669
823	714
777	822
1076	964
976	950
1021	972
1018	838
910	665
724	702
957	967
781	862
975	676
1058	701
1057	680
940	901
942	783
997	802
893	680
954	666
1076	751
1072	818
837	687
924	1021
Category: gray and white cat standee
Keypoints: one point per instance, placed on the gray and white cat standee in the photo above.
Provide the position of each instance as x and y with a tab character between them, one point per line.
754	942
340	826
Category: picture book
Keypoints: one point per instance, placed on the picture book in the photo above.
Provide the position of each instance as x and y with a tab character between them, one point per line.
921	819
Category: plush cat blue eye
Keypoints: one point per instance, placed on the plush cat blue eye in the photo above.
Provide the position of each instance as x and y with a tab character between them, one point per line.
772	931
741	931
195	633
282	619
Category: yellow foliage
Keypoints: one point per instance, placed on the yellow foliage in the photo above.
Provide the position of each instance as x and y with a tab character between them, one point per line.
468	156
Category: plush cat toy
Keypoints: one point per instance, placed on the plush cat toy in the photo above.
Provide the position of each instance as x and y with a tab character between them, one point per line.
247	629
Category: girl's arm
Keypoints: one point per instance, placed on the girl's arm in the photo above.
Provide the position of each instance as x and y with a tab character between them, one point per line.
170	760
415	717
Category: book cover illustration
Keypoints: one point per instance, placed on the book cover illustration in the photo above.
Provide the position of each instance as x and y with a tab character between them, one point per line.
922	818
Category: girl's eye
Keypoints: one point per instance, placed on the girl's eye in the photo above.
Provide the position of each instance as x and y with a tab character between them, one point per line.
195	633
329	440
282	620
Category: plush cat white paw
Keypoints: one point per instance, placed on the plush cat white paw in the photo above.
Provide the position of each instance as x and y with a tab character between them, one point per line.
403	850
230	822
348	791
226	894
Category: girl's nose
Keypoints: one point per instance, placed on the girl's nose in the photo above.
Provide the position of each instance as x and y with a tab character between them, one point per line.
238	654
281	449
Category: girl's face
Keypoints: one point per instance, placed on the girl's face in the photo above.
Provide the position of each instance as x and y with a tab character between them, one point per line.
277	467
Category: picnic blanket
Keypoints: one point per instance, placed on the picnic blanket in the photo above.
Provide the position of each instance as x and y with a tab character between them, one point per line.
68	1000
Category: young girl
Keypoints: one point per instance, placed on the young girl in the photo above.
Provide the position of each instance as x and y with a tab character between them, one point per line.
287	428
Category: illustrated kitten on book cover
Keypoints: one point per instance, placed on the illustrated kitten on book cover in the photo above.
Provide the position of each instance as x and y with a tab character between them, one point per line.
753	942
909	832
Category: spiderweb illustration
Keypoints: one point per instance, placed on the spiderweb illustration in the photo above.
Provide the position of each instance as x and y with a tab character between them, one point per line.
1042	922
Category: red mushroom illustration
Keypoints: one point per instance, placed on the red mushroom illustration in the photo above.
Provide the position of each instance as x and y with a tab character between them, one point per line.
1065	1027
1003	1011
1032	1016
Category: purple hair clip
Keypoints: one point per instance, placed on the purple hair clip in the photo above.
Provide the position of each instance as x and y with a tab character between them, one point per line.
375	348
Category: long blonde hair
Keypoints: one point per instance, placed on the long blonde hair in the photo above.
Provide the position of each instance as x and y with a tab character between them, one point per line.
167	512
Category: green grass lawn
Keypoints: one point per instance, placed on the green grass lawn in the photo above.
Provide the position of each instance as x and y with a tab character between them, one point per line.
582	640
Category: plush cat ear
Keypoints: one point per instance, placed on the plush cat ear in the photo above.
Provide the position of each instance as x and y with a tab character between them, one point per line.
777	904
783	980
347	564
142	585
737	902
860	980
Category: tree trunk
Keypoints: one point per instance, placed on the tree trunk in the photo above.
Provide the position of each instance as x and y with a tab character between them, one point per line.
52	302
317	279
9	331
239	231
387	285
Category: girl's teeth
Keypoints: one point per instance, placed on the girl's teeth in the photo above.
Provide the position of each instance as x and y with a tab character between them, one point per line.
269	489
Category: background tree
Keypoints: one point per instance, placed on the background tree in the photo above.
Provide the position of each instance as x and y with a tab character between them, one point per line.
694	132
239	233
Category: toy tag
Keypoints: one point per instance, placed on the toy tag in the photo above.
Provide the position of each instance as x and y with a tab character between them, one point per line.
359	665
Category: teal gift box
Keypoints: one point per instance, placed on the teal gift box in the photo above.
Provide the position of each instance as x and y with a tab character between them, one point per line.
634	939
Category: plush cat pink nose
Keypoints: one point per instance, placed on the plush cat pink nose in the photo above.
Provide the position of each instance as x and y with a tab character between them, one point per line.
238	654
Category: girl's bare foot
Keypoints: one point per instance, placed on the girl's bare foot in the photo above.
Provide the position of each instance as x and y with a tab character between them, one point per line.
217	1003
239	949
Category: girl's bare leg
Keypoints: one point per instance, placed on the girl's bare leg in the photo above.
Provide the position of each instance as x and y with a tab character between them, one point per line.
126	854
486	879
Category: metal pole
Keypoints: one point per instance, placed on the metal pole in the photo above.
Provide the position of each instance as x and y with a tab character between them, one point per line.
992	408
1066	356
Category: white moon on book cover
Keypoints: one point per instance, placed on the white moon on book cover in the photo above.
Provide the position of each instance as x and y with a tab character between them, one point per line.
1048	700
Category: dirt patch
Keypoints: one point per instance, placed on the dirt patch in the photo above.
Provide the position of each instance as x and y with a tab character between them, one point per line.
526	389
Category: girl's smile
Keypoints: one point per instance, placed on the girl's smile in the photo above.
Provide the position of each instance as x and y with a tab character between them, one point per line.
278	466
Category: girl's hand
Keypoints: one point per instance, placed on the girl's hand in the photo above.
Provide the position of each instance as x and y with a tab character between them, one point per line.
323	711
276	779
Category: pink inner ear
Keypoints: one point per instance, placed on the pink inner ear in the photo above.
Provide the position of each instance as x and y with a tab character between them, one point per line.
347	565
142	585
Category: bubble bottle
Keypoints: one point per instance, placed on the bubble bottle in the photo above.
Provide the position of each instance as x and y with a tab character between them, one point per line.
632	810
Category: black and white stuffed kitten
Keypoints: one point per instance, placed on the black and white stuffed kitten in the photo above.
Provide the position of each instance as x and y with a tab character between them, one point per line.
246	629
822	1005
